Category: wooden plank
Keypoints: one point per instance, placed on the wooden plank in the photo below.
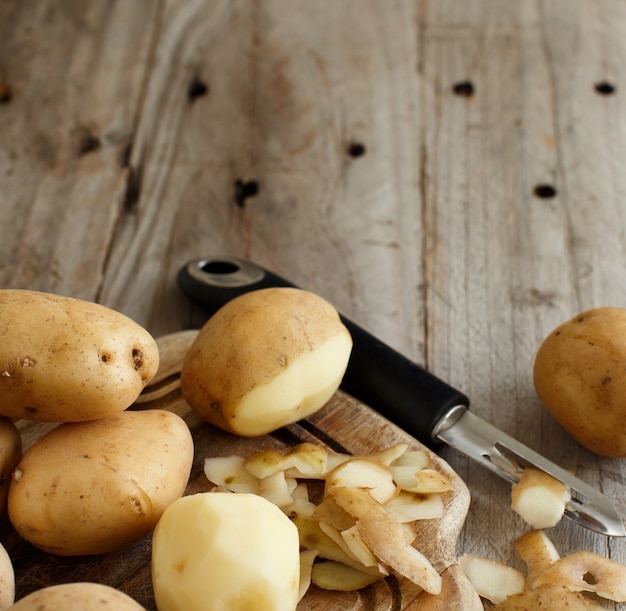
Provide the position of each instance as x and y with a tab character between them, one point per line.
326	140
505	264
74	73
281	110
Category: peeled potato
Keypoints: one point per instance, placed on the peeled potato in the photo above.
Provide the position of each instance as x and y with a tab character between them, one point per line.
579	377
77	597
539	498
214	551
94	487
69	360
7	580
266	359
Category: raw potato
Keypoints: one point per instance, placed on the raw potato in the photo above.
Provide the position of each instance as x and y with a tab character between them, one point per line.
10	456
94	487
7	580
68	360
266	359
77	597
492	580
539	498
537	552
579	377
214	551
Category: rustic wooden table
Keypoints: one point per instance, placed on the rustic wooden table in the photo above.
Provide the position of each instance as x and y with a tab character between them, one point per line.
449	174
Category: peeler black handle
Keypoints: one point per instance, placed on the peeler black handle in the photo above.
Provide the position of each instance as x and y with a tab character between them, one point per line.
377	375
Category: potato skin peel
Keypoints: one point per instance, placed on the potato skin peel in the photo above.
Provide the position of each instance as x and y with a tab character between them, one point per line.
579	377
69	360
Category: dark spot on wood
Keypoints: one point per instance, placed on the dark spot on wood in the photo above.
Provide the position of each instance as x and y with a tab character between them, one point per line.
605	88
244	190
88	143
6	94
544	191
196	90
133	189
463	89
123	159
356	149
606	380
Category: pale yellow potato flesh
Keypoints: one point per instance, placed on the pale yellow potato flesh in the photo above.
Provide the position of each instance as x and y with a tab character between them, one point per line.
266	359
94	487
492	580
7	580
216	551
297	392
539	498
69	360
77	596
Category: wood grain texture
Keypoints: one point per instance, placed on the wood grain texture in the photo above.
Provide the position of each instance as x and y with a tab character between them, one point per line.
386	155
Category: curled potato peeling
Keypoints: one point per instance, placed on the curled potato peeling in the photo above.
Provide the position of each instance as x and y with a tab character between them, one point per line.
266	359
587	571
69	360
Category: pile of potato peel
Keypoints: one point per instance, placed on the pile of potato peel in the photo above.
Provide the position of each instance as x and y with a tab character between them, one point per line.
580	580
356	515
359	527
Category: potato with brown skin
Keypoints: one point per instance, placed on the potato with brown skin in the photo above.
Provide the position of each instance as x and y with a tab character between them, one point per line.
94	487
266	359
69	360
10	456
77	597
580	377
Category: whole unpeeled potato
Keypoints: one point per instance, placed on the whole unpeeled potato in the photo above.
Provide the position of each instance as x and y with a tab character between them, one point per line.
94	487
78	596
266	359
580	377
68	360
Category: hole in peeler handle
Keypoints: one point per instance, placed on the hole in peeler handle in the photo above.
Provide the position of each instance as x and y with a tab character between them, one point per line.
219	267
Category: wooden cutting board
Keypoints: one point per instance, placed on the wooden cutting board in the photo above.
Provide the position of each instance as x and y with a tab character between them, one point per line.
344	425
